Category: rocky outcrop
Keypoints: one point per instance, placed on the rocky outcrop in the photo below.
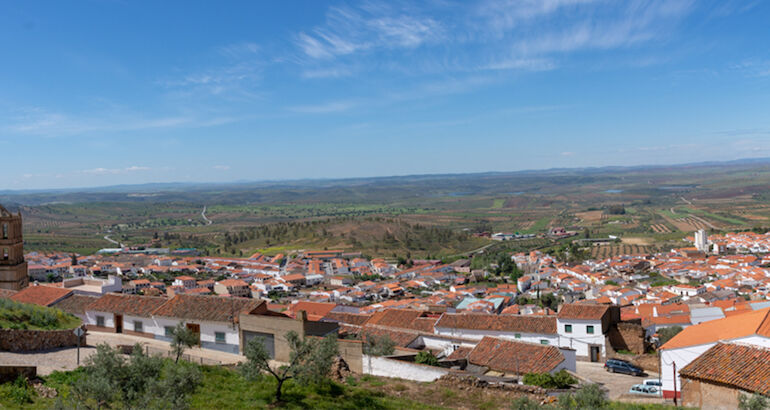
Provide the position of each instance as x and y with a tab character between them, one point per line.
16	340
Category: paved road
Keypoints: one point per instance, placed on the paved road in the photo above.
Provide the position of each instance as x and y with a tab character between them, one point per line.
66	358
203	215
107	238
617	384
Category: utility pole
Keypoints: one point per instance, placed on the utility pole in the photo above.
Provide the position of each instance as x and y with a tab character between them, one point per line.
675	404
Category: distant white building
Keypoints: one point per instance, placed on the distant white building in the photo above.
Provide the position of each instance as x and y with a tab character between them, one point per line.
701	241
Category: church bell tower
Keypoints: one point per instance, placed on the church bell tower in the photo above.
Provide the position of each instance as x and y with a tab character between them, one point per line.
13	268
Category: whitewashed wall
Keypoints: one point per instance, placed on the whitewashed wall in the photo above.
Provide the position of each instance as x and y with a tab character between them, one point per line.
553	339
580	339
108	318
382	366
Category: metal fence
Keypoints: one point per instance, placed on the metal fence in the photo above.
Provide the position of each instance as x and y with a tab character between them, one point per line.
149	350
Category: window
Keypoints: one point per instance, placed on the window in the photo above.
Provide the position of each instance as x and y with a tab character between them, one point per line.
5	253
517	335
544	342
138	326
169	331
568	328
5	231
100	321
219	337
590	329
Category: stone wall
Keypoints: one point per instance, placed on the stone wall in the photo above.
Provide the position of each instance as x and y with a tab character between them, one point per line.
649	362
352	352
10	372
704	395
627	336
13	340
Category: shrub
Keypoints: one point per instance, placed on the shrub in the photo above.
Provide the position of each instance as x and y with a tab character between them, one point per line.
426	357
17	391
562	379
141	381
589	396
753	402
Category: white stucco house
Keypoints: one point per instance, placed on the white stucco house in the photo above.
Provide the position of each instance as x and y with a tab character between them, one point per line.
584	327
751	328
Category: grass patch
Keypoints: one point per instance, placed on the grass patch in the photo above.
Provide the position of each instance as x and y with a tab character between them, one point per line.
726	219
498	203
16	315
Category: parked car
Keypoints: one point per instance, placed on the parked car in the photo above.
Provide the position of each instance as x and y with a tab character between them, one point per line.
645	390
653	382
622	366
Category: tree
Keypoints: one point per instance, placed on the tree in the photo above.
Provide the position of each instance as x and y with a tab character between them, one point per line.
182	338
665	334
309	362
426	357
74	259
378	346
141	381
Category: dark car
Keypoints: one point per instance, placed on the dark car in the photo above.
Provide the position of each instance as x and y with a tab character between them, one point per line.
622	366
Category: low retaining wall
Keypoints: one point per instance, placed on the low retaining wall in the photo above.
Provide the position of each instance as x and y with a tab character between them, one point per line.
10	372
16	340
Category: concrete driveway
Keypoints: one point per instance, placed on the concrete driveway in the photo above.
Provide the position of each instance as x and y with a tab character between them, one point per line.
617	384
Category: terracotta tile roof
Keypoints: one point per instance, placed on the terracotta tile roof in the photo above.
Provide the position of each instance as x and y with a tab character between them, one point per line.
134	305
520	324
399	318
583	311
356	319
315	310
207	308
460	353
515	357
739	325
424	324
401	338
41	295
75	304
233	283
746	367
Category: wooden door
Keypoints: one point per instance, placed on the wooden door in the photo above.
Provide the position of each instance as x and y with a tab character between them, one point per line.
118	323
195	328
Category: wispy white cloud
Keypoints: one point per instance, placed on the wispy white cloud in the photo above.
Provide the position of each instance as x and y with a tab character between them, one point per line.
528	64
372	26
221	167
505	15
753	68
38	121
114	171
333	72
324	108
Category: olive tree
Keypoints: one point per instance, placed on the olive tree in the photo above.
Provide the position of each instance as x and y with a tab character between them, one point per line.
309	362
182	338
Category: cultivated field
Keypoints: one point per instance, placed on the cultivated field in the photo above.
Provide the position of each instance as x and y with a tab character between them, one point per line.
393	216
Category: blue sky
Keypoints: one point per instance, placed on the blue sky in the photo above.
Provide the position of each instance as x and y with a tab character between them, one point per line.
113	92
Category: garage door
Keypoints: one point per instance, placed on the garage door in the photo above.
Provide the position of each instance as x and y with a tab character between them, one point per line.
267	338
